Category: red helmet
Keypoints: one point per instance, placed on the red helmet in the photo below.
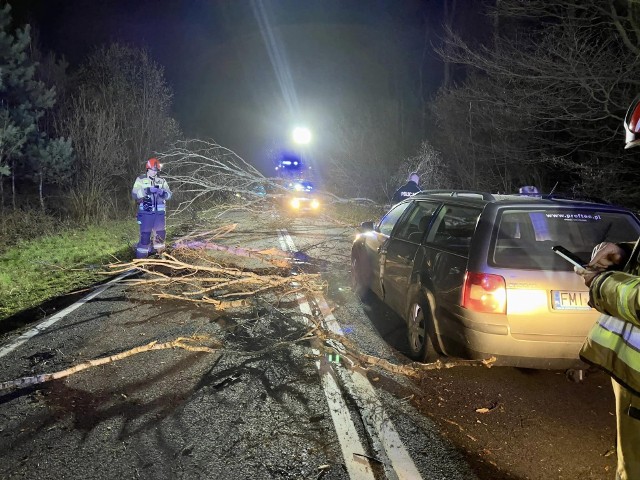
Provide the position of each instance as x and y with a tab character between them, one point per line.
154	163
632	124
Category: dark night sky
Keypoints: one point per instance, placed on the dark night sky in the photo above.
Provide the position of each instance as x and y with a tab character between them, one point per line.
329	53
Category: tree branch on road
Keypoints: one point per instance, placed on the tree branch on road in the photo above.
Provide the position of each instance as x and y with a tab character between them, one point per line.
190	344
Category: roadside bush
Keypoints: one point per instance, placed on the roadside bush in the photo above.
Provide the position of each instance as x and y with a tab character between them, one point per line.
25	224
95	207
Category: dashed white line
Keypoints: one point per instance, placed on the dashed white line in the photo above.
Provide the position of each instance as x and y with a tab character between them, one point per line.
355	458
397	461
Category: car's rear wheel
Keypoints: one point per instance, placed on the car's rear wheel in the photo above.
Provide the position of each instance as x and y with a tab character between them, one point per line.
360	274
419	328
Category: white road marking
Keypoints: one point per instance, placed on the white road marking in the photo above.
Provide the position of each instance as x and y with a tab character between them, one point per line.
355	457
398	463
46	323
376	417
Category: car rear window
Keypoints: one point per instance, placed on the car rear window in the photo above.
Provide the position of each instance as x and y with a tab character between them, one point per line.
525	237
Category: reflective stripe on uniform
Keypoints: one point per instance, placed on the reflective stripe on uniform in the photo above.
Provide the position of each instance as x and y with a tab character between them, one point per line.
627	353
610	351
629	333
160	207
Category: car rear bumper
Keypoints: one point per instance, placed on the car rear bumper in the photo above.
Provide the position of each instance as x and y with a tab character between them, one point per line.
526	351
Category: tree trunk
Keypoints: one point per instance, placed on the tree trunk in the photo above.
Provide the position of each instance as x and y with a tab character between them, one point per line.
40	193
13	185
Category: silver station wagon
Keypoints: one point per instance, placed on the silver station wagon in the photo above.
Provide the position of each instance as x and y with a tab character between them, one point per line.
473	274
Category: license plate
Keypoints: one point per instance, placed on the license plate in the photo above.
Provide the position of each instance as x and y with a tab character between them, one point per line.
563	300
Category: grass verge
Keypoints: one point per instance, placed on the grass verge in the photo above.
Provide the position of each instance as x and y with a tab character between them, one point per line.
66	259
36	270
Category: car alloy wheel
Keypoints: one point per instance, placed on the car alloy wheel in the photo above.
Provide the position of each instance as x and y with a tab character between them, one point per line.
420	346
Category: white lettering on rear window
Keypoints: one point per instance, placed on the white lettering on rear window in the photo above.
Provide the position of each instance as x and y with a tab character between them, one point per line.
582	217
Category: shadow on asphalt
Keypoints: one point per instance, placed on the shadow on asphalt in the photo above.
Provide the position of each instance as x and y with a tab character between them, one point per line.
387	323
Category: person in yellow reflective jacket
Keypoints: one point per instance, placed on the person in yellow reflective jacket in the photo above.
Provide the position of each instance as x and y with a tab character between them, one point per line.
150	192
613	344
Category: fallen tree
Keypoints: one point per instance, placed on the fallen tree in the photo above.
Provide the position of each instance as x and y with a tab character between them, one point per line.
205	173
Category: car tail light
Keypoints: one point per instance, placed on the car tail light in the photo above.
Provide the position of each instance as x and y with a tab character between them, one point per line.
484	292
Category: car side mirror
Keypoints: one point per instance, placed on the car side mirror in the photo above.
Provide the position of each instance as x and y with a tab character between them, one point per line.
366	227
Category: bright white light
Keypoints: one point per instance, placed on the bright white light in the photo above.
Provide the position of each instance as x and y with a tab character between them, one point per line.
301	135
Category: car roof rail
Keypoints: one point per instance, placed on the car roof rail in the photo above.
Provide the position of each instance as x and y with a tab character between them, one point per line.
564	196
459	193
576	198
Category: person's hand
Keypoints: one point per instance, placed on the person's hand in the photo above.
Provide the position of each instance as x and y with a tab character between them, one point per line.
587	274
606	255
161	192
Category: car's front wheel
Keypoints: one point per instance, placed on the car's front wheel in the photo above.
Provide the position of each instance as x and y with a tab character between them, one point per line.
419	327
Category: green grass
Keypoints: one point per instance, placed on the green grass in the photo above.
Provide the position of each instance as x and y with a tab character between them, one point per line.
33	271
57	259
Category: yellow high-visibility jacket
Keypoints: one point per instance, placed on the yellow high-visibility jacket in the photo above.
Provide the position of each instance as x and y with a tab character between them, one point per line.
613	343
147	201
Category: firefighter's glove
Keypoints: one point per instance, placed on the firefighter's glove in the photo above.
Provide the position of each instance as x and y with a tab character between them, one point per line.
161	192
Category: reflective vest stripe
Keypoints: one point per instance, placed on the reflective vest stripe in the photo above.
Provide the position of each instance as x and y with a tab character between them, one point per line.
625	353
629	333
159	208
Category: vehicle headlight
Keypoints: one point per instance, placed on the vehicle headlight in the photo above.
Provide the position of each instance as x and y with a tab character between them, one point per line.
295	203
315	204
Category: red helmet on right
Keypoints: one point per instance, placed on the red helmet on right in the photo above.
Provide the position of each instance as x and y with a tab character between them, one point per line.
632	124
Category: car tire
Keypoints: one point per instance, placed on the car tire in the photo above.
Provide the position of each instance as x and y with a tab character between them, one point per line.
360	274
420	331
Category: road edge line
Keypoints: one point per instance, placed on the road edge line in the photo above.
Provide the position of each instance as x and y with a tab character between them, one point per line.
48	321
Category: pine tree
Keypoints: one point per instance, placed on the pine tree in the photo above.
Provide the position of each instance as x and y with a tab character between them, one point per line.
23	101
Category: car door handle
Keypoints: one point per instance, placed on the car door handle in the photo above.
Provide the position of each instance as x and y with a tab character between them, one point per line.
454	271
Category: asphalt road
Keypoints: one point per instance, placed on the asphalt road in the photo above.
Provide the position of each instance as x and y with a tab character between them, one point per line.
243	412
252	411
